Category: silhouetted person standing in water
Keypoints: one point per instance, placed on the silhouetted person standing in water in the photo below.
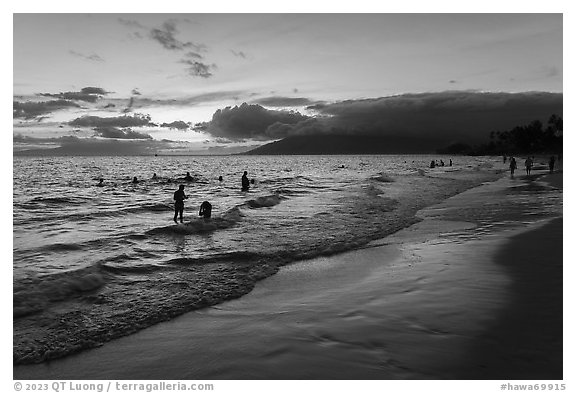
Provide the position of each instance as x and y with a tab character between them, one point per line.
245	182
188	177
135	180
528	165
205	209
512	166
179	197
551	163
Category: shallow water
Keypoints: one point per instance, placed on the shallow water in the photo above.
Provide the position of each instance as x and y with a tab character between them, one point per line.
94	263
413	305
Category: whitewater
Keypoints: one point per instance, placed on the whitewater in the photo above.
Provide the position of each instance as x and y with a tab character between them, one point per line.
95	262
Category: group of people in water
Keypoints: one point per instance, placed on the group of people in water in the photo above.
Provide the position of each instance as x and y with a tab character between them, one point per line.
435	163
180	195
205	207
529	163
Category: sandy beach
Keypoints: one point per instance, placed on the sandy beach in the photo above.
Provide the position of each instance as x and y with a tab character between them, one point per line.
469	298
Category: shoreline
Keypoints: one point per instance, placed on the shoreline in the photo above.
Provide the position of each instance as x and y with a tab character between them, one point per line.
526	341
395	325
533	323
36	340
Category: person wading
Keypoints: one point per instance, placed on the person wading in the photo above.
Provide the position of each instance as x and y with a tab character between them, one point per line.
179	197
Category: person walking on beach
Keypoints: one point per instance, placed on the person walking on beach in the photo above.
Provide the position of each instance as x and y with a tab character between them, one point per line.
205	209
245	182
551	164
528	165
179	197
512	166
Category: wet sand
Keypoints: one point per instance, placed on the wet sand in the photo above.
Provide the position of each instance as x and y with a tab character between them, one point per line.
434	301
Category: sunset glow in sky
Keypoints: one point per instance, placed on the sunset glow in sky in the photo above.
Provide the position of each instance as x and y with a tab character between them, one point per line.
184	67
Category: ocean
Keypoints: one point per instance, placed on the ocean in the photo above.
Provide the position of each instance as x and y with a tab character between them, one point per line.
95	262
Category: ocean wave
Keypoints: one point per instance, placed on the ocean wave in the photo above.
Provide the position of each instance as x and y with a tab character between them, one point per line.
381	177
61	247
234	256
291	191
286	179
264	201
110	212
59	200
228	219
139	269
34	294
42	203
140	279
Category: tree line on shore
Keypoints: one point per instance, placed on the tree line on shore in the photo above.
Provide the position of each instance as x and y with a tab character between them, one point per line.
525	139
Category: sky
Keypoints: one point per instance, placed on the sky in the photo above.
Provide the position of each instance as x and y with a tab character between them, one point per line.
189	83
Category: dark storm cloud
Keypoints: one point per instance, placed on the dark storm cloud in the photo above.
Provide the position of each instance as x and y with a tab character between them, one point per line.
92	57
32	110
114	132
94	90
177	124
119	121
87	94
247	121
71	145
445	117
309	126
283	101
